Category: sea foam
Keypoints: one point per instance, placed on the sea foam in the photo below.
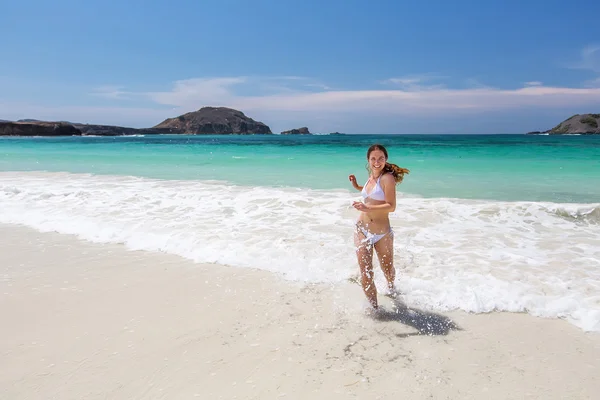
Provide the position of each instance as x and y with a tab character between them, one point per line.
477	256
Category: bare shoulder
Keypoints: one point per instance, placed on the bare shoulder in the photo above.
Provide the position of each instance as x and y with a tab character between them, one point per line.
388	180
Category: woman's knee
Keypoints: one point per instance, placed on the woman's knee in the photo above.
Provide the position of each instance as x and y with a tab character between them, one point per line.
366	277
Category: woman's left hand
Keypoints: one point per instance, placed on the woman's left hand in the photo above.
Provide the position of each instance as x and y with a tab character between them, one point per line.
360	206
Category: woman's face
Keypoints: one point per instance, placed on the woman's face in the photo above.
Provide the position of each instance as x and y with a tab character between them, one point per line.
377	160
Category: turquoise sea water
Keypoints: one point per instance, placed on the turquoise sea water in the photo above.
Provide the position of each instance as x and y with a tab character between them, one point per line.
483	223
500	167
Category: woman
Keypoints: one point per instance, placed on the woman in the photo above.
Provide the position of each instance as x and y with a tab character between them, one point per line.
373	230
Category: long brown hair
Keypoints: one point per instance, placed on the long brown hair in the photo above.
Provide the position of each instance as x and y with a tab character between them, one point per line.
396	171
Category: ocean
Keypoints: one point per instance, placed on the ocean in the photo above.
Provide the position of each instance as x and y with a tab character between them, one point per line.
483	222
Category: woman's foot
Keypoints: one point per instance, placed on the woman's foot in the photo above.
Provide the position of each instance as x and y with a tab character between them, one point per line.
372	311
391	292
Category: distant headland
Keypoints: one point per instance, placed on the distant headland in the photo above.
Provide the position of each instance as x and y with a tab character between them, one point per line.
583	124
225	121
205	121
297	131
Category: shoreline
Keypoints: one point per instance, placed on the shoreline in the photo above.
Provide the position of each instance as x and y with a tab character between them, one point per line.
86	320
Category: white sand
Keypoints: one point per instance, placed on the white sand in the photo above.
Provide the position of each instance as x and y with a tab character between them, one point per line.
90	321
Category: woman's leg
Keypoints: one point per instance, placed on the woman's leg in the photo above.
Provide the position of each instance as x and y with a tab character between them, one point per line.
385	253
364	254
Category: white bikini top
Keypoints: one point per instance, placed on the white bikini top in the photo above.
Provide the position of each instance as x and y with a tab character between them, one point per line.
376	193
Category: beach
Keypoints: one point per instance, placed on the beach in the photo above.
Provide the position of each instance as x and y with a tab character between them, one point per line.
167	267
99	321
195	210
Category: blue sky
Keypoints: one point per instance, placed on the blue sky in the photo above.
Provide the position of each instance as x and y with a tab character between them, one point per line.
350	66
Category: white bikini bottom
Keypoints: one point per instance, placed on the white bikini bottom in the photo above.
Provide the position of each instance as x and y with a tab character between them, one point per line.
372	238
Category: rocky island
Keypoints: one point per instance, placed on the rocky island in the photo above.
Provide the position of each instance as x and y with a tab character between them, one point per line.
205	121
299	131
38	128
584	124
214	121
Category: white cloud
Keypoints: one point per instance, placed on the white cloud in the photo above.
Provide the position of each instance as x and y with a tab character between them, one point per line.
403	81
475	83
110	92
589	59
415	82
198	90
318	86
412	97
297	98
593	83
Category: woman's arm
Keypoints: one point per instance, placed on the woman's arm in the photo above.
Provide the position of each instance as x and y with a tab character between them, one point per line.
352	179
